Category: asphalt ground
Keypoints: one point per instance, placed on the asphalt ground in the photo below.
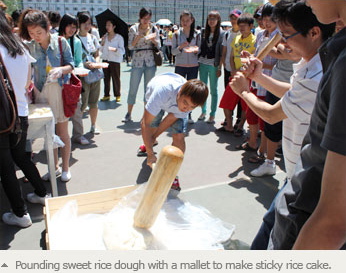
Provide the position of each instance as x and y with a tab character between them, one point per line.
214	174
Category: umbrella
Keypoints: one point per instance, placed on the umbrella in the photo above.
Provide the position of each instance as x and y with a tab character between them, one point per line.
163	22
121	26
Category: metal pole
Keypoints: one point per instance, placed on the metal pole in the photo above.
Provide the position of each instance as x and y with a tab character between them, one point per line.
203	14
155	10
174	12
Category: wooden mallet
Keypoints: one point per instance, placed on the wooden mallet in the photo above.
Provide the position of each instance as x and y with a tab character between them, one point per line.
159	184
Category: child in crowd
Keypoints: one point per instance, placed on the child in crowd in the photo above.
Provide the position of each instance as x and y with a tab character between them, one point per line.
244	41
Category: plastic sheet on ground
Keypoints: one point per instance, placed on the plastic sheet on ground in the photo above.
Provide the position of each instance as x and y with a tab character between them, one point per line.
179	226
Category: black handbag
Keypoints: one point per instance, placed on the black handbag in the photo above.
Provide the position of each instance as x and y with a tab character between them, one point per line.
158	56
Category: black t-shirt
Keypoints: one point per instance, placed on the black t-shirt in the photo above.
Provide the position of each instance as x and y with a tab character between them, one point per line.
327	132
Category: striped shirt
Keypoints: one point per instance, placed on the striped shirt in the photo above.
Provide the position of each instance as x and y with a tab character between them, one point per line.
298	104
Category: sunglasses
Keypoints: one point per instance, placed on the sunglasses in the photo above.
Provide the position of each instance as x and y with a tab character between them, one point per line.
285	38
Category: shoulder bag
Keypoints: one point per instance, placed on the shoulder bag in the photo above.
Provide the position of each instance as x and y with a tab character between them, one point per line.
9	119
94	75
70	91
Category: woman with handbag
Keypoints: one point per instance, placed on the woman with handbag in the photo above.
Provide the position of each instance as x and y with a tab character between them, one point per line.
210	60
48	72
112	47
144	40
91	59
68	28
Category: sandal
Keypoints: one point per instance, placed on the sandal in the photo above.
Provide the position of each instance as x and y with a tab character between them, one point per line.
223	129
256	158
142	150
246	147
239	132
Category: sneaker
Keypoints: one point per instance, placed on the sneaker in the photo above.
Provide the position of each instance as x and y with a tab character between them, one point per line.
117	99
35	199
94	130
265	169
10	218
127	118
190	120
83	141
65	176
46	177
175	188
105	98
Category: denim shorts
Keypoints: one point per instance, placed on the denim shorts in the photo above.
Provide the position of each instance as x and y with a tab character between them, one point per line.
178	127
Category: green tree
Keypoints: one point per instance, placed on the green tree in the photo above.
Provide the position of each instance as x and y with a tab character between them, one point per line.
12	5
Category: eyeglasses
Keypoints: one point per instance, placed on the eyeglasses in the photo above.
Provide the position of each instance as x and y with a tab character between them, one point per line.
285	38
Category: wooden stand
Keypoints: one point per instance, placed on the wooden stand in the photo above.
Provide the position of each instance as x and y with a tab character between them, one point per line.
159	184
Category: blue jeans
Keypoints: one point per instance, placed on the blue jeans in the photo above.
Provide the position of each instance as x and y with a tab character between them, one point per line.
135	79
262	237
178	127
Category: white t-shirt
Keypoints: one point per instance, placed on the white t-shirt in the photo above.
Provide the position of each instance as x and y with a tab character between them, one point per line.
118	43
227	41
162	93
18	69
298	104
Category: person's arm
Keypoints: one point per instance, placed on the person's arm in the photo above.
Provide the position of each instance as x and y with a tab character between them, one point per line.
326	227
78	61
147	135
253	70
167	122
269	113
233	70
175	45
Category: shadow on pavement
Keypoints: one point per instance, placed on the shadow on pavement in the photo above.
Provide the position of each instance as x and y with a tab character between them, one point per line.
144	173
106	105
266	188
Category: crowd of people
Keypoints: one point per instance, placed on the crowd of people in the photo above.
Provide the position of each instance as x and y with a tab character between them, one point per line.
292	97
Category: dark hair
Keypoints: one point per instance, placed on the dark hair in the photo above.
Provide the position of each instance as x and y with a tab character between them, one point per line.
67	20
192	27
267	10
196	90
15	16
245	18
144	12
83	17
217	28
300	17
10	41
54	17
258	12
31	17
112	21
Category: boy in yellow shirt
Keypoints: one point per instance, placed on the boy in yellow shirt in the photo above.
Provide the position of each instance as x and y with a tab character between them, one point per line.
244	41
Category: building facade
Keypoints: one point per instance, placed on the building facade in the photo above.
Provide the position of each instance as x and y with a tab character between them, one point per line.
128	9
